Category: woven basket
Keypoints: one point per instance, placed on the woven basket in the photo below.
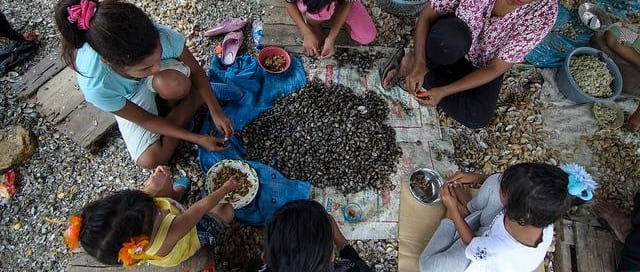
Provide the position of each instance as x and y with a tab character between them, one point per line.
402	7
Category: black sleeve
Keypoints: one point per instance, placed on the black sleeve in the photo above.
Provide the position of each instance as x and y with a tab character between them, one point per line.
349	253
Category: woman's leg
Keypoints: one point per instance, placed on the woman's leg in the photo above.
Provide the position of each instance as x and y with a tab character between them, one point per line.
445	251
473	108
7	31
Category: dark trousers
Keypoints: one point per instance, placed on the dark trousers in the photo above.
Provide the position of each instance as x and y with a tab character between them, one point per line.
448	43
630	255
7	31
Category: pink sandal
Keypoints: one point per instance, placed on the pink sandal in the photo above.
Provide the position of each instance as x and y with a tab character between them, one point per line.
230	45
229	24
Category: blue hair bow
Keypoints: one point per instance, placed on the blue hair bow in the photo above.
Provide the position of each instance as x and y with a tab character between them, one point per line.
581	184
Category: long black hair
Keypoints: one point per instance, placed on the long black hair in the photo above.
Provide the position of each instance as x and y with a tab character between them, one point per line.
314	6
120	32
109	222
537	193
299	238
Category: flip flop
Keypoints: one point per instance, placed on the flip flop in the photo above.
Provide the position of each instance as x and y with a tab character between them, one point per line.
230	45
185	183
393	63
229	24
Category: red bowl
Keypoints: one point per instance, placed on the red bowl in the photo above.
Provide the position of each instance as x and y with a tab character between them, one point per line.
274	51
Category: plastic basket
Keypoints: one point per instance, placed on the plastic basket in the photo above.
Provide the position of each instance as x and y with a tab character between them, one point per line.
402	7
570	89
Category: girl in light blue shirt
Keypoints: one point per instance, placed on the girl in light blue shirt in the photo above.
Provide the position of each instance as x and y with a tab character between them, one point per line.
116	50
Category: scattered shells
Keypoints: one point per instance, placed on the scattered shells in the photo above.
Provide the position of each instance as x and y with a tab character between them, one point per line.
592	75
322	134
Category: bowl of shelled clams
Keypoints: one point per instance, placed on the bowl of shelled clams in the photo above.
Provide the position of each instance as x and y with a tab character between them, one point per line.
424	185
608	115
222	171
274	60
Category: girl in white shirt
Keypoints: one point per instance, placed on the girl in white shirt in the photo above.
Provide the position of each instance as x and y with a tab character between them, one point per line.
508	225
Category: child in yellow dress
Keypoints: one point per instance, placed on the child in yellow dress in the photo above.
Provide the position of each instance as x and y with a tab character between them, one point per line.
130	226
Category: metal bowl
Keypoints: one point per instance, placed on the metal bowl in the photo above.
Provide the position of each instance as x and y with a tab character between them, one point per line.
424	185
593	16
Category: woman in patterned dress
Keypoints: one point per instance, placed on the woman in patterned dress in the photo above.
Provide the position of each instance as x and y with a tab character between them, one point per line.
462	49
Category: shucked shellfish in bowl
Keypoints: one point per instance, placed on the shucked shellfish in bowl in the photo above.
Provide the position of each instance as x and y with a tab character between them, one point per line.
222	171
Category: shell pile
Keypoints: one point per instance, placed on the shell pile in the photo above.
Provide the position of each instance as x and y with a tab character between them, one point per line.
329	136
615	167
592	75
227	172
604	113
515	134
362	60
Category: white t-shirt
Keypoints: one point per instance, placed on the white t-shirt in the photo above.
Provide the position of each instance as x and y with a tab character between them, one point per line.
497	251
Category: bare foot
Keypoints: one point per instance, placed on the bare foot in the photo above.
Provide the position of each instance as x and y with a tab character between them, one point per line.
159	184
634	120
462	194
389	78
620	224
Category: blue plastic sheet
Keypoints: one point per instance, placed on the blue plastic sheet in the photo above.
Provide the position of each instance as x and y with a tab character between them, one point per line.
260	91
554	48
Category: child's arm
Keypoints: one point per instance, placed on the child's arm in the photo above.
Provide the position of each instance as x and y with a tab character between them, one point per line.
202	86
450	202
311	43
342	11
162	126
183	223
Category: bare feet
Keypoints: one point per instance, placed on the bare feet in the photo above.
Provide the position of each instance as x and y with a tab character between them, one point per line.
390	78
159	184
620	224
634	120
463	197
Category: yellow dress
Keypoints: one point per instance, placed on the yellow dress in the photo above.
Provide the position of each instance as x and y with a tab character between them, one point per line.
184	248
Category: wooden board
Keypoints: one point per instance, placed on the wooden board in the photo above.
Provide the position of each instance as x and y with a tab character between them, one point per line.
82	262
61	102
39	74
280	30
585	248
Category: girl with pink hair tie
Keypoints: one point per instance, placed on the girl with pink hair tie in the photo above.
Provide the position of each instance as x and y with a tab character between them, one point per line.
309	14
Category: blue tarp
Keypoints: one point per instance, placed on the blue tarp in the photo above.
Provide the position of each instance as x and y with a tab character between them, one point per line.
554	48
260	91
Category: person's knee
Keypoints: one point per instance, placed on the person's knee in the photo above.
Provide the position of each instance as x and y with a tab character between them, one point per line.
226	212
171	84
426	264
449	40
150	160
611	40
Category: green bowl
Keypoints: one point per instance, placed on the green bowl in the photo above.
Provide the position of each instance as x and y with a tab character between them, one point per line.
619	115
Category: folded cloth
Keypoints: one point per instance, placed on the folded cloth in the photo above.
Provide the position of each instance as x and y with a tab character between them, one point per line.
261	89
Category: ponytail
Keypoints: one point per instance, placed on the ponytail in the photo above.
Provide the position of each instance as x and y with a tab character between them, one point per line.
120	32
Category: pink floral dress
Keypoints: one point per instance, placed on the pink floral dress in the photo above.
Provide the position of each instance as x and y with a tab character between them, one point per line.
510	37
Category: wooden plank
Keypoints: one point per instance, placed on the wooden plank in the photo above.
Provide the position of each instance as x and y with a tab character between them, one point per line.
272	3
59	96
86	124
562	255
286	35
39	74
277	16
82	262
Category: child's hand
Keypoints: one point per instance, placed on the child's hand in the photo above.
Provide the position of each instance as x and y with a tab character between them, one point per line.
211	143
328	49
223	123
466	178
311	45
448	197
231	184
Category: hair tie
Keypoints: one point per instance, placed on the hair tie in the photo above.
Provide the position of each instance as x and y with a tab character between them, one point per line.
581	184
133	251
72	233
81	14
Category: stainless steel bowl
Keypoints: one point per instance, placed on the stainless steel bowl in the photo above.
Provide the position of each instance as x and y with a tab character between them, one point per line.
593	16
424	185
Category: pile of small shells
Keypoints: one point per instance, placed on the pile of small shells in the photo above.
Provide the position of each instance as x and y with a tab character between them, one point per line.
329	136
604	113
380	255
515	134
615	167
592	75
362	60
573	4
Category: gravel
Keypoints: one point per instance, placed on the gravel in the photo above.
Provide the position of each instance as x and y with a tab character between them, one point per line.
61	176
